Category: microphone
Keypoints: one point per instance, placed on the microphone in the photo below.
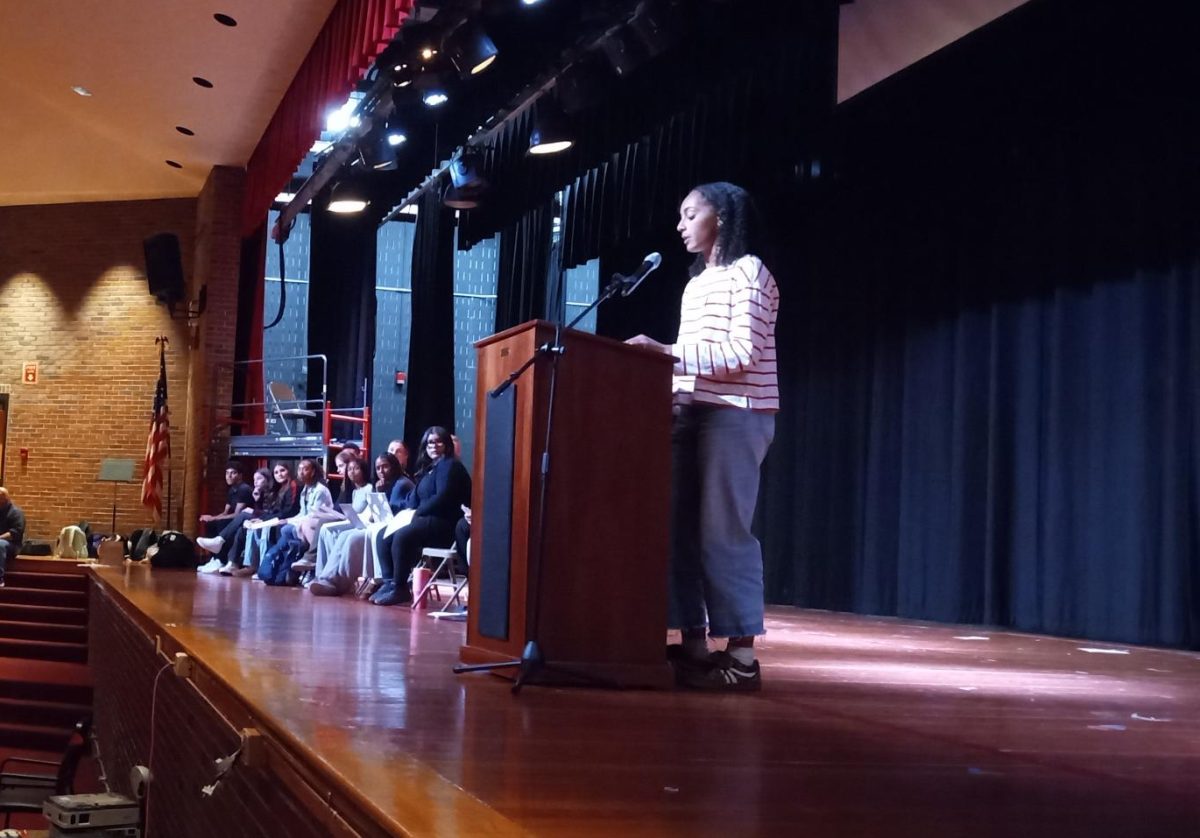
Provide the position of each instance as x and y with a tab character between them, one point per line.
647	267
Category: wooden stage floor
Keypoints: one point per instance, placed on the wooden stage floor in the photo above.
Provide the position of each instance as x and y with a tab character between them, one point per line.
865	726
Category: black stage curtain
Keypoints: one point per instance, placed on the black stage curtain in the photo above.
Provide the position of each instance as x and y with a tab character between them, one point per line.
761	106
430	398
992	372
524	268
341	305
248	338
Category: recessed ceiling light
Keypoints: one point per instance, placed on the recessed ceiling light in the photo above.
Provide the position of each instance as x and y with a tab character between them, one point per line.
203	82
81	90
187	132
435	97
428	53
224	20
174	165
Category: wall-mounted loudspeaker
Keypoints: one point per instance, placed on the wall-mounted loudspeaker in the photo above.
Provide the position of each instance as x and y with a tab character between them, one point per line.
164	268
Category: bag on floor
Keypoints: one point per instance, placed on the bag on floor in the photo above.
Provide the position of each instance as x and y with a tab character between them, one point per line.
173	550
34	547
138	545
72	543
276	565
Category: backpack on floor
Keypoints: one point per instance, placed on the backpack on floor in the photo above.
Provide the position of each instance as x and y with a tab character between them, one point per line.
72	543
173	550
276	565
138	545
34	547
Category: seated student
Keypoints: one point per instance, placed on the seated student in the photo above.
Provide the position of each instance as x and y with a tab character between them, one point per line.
310	528
282	502
443	488
357	476
12	529
393	483
340	554
399	450
462	537
226	544
314	500
237	498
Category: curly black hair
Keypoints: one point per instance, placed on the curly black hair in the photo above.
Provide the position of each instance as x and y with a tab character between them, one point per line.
737	217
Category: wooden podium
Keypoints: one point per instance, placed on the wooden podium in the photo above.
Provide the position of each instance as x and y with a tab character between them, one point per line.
598	607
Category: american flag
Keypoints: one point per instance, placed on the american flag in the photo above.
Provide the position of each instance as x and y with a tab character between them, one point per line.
158	446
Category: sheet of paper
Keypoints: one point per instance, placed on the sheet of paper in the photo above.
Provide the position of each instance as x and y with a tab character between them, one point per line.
401	519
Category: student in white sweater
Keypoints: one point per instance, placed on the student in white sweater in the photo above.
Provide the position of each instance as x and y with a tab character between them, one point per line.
725	399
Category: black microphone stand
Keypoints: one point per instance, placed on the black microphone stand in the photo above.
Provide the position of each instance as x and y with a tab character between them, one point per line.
532	661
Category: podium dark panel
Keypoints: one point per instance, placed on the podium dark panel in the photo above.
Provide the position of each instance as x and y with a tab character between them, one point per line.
593	594
492	597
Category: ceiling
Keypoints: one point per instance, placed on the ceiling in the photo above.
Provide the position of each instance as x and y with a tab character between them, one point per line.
877	38
138	57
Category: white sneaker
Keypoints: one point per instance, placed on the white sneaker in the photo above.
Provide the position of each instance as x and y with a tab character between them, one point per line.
227	569
212	545
211	566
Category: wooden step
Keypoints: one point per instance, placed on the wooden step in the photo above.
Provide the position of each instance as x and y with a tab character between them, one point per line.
45	681
19	612
46	581
21	630
57	714
46	564
10	593
34	737
43	650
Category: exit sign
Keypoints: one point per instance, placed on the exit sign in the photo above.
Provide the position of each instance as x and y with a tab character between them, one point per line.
29	372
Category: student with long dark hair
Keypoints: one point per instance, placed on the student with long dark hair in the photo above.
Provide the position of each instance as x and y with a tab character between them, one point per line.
725	396
443	486
314	500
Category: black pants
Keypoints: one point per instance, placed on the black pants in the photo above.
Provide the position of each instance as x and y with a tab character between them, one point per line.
229	531
402	549
462	534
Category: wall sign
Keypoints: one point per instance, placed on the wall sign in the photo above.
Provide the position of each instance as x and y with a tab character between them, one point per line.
29	372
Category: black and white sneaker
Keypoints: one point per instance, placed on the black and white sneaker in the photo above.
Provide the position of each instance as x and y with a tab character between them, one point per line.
724	674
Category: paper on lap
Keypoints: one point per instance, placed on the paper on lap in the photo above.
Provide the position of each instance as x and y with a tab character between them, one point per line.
401	519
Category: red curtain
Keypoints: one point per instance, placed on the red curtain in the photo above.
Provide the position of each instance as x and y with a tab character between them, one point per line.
353	36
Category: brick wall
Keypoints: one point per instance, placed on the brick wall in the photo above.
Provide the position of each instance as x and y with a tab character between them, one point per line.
189	735
73	297
217	265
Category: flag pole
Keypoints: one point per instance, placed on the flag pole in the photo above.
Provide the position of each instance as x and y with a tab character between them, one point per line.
165	342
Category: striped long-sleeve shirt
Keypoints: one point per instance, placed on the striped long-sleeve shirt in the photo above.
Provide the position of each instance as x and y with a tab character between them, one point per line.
726	343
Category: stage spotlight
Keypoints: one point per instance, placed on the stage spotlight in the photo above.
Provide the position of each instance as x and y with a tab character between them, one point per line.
653	26
433	98
394	131
379	152
581	85
403	74
466	183
348	197
470	49
550	133
624	50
